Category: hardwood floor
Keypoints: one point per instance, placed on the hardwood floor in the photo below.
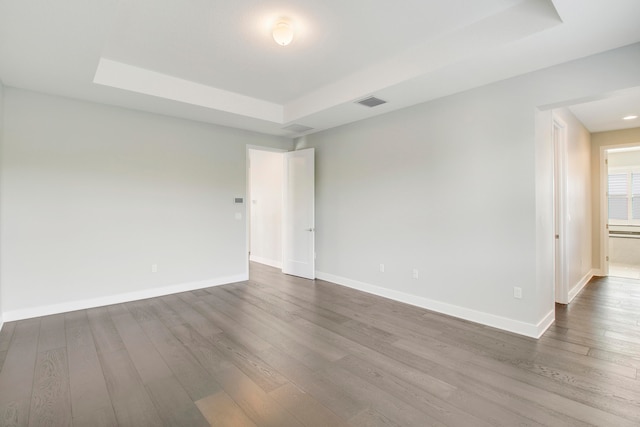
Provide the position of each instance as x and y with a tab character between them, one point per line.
283	351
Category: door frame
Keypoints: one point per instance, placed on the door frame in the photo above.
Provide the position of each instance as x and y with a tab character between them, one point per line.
604	206
604	211
559	141
247	214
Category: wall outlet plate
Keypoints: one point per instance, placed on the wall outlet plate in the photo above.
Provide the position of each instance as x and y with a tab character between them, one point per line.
517	292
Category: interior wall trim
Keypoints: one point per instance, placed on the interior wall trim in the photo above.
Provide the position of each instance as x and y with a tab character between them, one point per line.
575	290
545	323
28	313
266	261
504	323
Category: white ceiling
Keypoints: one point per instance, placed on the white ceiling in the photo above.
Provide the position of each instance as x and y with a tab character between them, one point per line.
215	60
608	112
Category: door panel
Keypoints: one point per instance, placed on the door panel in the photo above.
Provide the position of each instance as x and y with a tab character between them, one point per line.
299	215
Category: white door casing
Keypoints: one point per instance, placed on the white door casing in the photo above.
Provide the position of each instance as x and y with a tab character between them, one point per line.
604	209
559	136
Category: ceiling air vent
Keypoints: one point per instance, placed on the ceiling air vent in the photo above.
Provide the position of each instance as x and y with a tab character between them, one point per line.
296	128
371	101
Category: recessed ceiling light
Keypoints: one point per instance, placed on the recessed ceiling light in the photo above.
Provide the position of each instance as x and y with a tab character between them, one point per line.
630	117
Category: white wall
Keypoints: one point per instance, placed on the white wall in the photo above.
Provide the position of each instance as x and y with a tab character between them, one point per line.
599	140
266	174
578	203
624	159
545	218
458	188
93	195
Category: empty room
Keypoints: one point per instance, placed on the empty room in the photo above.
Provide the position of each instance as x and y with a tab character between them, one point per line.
319	213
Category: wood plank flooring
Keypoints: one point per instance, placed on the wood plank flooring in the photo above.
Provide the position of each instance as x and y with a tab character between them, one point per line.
282	351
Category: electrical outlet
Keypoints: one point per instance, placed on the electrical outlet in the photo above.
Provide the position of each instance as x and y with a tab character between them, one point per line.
517	292
381	268
154	268
415	273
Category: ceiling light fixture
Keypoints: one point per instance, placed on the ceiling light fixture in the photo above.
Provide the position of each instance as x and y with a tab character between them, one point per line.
630	117
283	32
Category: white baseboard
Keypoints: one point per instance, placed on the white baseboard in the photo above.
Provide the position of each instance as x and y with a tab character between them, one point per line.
27	313
597	272
545	323
266	261
580	285
515	326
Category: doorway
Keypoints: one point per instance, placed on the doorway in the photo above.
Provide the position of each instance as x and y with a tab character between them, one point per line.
571	232
621	233
281	217
265	179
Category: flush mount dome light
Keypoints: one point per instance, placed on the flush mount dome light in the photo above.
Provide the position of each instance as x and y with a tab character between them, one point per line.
631	117
283	31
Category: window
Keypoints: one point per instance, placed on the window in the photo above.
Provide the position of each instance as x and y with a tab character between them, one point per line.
618	196
624	197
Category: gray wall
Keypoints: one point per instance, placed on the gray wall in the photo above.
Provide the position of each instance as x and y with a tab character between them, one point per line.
460	188
93	195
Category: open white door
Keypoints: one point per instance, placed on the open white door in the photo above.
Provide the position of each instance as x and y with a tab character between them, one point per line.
298	235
